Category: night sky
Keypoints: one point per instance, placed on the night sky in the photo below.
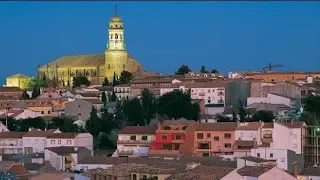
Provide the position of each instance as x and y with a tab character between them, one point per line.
228	36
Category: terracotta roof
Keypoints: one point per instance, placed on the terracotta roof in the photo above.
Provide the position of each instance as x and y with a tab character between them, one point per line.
19	170
256	159
89	94
220	126
249	126
63	150
10	89
4	97
104	88
11	134
253	171
93	101
120	170
137	130
39	133
268	125
294	124
52	176
310	171
64	135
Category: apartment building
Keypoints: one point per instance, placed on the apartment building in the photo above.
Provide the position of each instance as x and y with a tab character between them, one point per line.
211	139
81	108
134	141
11	142
122	91
173	137
70	139
312	145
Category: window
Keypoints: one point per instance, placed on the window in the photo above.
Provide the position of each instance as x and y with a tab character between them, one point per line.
167	128
53	141
178	137
227	136
208	135
164	137
282	159
42	112
208	90
68	141
133	138
144	177
155	178
271	155
116	36
200	136
227	145
216	138
79	114
258	154
123	66
59	141
144	138
108	66
184	127
79	106
49	112
134	177
205	154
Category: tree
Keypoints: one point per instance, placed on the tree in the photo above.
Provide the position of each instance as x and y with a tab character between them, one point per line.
265	116
64	124
148	101
80	80
93	125
311	113
133	111
242	112
118	120
104	98
203	69
214	71
113	96
177	104
234	115
105	82
115	80
106	121
221	118
12	125
125	77
25	95
35	92
183	69
36	82
37	122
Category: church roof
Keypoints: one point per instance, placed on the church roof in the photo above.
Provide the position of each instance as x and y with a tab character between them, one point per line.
17	76
91	60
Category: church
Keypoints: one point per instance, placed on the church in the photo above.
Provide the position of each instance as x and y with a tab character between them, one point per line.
96	67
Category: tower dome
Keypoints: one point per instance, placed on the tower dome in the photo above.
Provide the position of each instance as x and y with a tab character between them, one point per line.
115	18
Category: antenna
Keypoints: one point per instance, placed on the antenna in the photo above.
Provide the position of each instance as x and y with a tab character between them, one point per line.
116	9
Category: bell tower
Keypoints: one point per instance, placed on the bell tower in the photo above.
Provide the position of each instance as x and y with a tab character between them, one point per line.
116	56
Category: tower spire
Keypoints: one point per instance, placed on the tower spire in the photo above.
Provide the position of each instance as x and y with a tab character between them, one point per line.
116	9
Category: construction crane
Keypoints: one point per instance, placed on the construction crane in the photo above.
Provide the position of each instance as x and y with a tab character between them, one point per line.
270	67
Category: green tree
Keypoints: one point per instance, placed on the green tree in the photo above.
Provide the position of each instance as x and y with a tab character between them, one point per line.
214	71
177	104
36	82
234	115
221	118
93	125
13	125
113	96
107	121
37	122
115	81
25	95
133	111
242	112
105	82
265	116
203	69
64	124
104	98
311	113
183	69
35	92
80	80
119	119
149	104
125	77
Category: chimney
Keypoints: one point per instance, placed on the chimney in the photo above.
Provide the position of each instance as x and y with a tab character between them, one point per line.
295	171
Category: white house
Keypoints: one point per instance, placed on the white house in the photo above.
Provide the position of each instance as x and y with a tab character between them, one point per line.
134	141
11	142
273	98
122	91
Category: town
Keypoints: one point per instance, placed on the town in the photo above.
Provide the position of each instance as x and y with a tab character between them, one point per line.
103	117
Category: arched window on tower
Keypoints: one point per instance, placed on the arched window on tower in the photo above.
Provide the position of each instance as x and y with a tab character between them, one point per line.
111	36
123	66
108	66
121	36
116	36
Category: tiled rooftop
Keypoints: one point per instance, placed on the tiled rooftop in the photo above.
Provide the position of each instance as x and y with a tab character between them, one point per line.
137	130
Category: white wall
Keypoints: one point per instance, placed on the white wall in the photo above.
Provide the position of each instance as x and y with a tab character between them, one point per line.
55	160
84	140
247	135
37	143
280	155
276	174
54	142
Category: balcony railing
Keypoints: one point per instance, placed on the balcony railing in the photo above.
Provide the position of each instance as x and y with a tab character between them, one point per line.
125	152
135	141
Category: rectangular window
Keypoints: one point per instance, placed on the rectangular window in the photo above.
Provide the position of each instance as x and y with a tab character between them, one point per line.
144	177
208	135
216	138
227	145
144	138
134	177
68	141
59	141
205	154
53	141
133	138
258	154
227	136
200	136
42	112
271	155
164	137
49	112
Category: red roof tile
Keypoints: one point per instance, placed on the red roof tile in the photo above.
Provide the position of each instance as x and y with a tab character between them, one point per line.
137	130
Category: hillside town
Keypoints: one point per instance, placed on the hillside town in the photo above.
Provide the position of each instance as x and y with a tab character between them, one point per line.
102	117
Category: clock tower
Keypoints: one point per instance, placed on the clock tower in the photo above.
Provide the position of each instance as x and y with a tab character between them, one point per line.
116	56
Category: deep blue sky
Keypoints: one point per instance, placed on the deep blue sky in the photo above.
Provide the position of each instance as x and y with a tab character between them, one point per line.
228	36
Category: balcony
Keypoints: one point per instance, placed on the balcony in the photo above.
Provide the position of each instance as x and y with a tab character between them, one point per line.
220	93
125	152
134	141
